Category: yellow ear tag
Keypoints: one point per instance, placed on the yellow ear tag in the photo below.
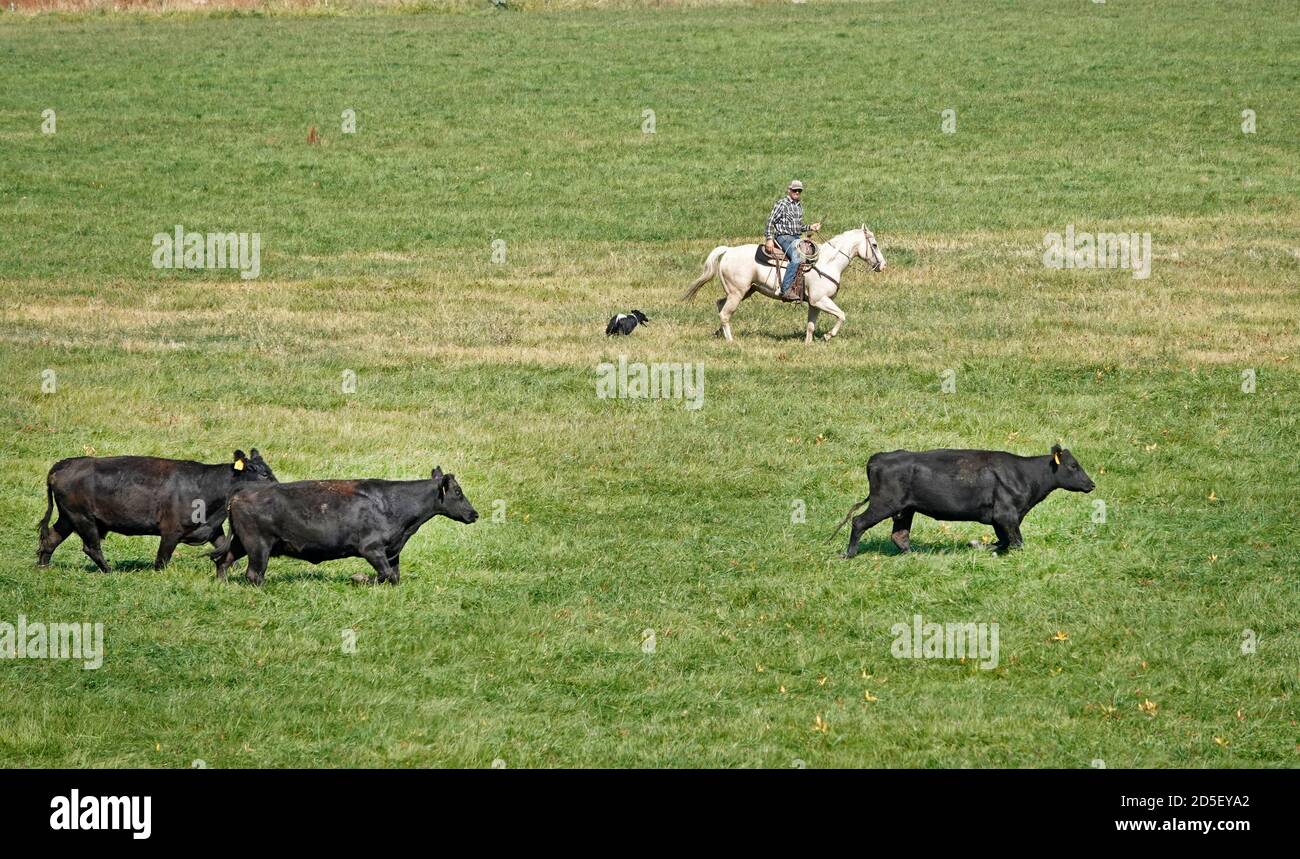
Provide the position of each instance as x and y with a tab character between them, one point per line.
1056	457
239	465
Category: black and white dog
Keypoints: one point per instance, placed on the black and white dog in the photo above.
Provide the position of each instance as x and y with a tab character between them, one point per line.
623	323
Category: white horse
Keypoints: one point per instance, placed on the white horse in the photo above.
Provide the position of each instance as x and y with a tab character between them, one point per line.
742	275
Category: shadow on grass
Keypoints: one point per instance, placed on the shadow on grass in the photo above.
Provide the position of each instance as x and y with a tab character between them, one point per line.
784	338
117	565
885	546
134	565
290	575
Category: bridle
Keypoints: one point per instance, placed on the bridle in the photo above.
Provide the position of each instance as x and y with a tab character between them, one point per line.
875	264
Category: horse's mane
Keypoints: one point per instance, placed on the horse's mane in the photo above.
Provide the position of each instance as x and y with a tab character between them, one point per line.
843	234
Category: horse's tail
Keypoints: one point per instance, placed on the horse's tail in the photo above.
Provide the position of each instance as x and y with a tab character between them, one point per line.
709	273
852	510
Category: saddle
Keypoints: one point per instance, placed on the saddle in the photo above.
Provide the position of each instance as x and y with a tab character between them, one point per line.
807	249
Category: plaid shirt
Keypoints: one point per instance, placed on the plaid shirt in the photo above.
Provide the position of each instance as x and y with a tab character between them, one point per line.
786	219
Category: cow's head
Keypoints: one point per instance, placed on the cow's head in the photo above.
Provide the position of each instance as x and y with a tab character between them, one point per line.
251	467
1068	472
453	502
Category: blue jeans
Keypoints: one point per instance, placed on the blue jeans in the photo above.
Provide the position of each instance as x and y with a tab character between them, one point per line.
789	244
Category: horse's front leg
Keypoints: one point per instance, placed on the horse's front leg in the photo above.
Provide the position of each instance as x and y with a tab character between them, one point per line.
834	310
813	313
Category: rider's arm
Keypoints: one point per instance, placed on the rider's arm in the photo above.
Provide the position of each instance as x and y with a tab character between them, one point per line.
771	219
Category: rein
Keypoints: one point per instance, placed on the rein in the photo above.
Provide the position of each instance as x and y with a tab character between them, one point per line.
826	243
827	276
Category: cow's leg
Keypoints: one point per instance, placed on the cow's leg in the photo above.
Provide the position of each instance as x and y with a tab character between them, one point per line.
875	513
1014	533
1006	522
51	539
169	527
166	546
395	564
233	552
258	555
379	560
1004	538
218	554
813	313
833	309
903	530
88	531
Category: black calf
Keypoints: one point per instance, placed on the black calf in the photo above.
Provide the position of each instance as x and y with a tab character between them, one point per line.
323	520
989	486
178	500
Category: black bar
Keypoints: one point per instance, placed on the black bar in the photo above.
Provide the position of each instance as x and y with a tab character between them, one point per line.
334	808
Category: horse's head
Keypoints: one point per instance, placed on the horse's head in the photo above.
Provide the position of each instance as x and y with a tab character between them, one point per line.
870	251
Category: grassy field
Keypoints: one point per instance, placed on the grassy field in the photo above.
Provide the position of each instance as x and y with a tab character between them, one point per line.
522	640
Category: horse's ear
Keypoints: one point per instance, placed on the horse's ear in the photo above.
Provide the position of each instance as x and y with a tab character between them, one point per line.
863	227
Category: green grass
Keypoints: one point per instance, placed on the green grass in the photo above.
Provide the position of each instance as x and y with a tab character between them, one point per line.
521	640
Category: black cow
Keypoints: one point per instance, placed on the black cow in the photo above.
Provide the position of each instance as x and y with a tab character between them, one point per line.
323	520
176	499
989	486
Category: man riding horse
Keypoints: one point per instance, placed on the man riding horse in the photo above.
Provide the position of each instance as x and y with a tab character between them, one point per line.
785	228
746	270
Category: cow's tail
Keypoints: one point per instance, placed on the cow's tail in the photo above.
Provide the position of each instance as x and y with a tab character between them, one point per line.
49	508
709	273
222	546
854	509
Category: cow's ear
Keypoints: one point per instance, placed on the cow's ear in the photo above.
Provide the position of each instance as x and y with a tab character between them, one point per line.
1056	455
437	472
238	464
254	454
